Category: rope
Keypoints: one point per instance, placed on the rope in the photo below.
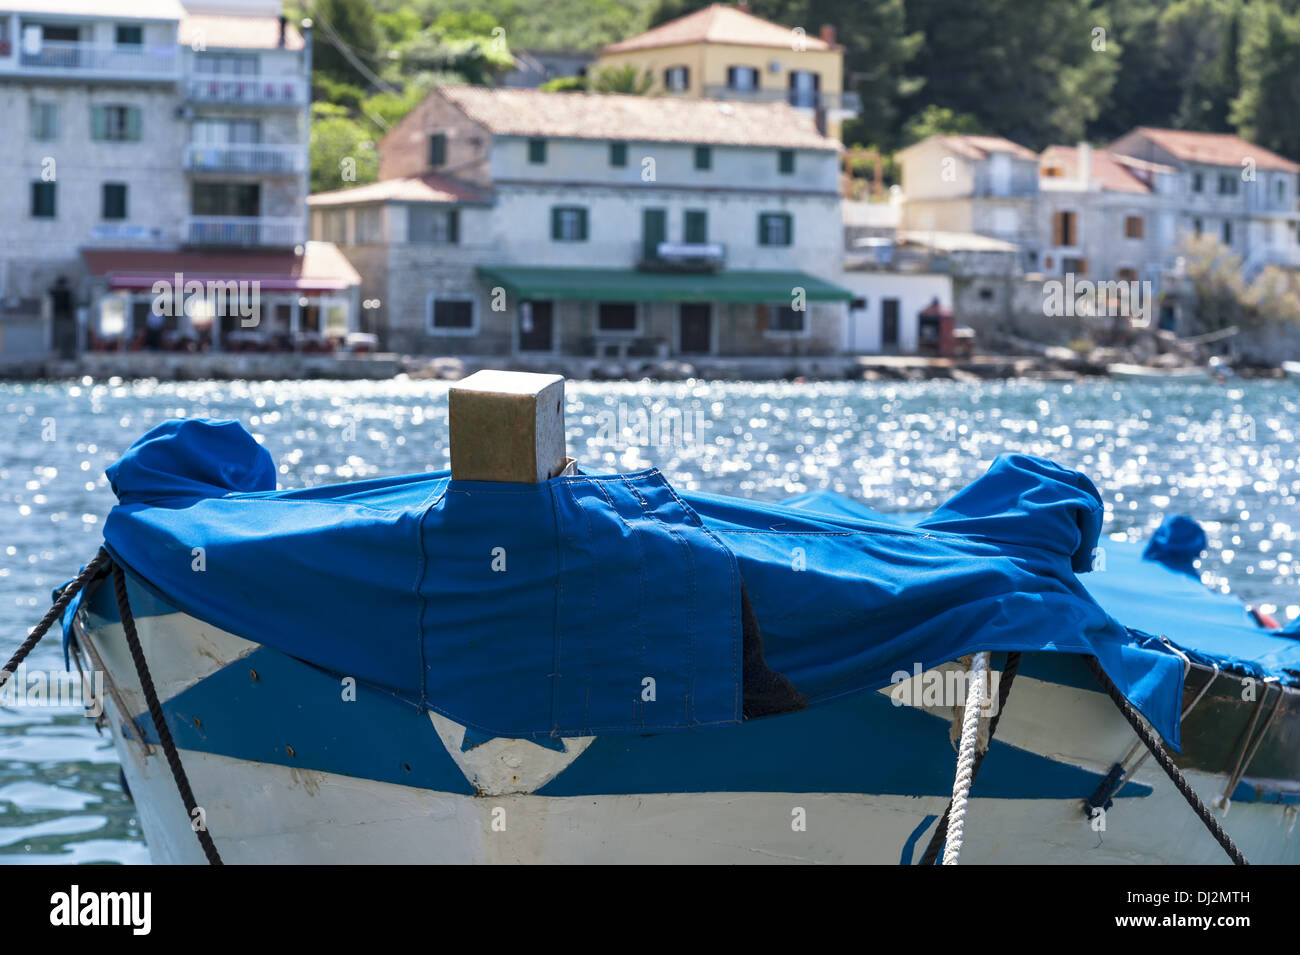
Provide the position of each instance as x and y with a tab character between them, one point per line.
1158	751
55	612
970	726
1004	690
156	714
1247	753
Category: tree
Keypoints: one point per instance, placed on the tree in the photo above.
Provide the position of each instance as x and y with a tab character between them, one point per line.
346	24
1265	109
938	121
342	149
622	79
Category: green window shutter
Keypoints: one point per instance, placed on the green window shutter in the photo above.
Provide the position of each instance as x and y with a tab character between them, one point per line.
789	228
453	226
555	222
703	157
785	161
133	123
618	154
537	151
438	150
582	224
98	123
762	228
697	226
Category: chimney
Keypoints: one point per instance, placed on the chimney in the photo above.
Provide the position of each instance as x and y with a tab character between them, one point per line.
284	25
742	6
828	34
1084	171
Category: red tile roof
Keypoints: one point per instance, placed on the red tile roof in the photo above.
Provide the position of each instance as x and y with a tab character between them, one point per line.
650	119
222	32
321	267
719	23
979	147
1112	175
421	189
1217	149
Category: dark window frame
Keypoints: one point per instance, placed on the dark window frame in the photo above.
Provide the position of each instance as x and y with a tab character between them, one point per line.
108	211
41	188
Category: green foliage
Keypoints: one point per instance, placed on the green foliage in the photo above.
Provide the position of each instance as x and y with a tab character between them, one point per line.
565	84
939	121
1265	110
343	150
622	79
350	23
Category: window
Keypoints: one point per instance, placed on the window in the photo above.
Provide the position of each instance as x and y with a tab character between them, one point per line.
677	79
227	199
1227	184
618	154
431	224
804	87
128	35
113	204
786	320
785	161
45	121
226	64
775	228
115	124
451	316
537	151
1198	182
369	222
43	206
569	224
438	150
986	294
616	317
696	227
1281	190
1126	275
1063	229
1197	226
1227	233
703	157
334	226
1134	227
742	78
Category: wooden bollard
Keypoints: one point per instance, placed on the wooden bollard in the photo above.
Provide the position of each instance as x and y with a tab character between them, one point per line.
507	426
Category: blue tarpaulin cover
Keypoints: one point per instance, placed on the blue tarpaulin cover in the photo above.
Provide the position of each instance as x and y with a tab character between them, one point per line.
532	610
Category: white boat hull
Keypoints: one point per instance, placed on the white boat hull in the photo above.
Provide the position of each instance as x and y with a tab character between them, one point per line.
264	812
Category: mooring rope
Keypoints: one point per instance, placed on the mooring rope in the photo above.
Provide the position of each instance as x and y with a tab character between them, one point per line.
1004	691
55	612
1158	751
101	561
961	784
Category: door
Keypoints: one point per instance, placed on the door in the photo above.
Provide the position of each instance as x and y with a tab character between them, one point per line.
889	324
536	326
654	229
695	326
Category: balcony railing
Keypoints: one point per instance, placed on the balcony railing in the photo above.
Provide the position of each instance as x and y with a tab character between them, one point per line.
126	62
680	256
250	90
244	231
255	158
847	101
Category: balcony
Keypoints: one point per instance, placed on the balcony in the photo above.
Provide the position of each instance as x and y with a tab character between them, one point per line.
78	60
681	257
257	159
244	231
831	101
287	91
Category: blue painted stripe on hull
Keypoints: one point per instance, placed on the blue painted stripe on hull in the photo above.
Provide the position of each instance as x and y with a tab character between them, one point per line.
295	706
860	744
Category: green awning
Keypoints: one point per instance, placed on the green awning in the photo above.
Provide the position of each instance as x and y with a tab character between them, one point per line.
632	285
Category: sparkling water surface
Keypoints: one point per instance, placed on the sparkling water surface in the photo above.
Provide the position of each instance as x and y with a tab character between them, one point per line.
1227	455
